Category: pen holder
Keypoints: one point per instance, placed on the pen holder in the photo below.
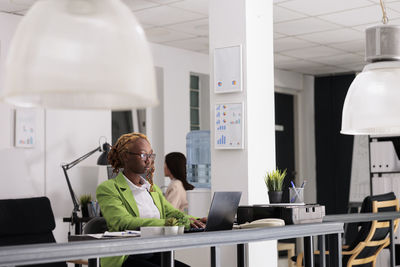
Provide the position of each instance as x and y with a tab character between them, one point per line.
296	194
94	209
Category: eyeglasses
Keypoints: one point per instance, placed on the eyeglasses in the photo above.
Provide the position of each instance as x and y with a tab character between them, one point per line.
143	156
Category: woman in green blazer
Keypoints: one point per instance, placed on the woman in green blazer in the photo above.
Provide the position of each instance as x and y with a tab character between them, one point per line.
130	201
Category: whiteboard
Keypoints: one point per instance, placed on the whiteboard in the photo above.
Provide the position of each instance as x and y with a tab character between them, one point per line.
229	126
228	69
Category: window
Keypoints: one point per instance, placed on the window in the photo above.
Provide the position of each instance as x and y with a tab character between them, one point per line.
194	103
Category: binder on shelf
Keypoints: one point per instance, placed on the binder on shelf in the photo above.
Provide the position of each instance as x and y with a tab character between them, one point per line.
384	157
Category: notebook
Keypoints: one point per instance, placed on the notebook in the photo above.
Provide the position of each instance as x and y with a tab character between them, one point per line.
222	212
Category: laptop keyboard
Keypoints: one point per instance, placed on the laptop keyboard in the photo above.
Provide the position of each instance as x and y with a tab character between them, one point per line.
194	230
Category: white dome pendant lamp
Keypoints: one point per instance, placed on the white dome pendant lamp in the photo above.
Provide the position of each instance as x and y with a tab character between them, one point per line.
372	104
80	54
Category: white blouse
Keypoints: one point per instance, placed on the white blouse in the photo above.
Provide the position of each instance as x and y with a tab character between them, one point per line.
144	201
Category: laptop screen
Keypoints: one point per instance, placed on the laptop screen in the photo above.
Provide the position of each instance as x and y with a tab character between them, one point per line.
222	211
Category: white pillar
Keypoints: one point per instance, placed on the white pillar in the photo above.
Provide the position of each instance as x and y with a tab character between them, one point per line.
250	24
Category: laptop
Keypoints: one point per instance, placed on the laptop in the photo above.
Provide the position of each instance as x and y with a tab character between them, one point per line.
222	212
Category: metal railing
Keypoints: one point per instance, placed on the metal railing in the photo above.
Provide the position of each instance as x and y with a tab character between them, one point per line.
51	252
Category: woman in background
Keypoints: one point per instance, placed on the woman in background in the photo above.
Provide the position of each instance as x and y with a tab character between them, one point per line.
175	169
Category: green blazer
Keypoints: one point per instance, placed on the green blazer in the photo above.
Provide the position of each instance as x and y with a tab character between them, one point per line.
119	208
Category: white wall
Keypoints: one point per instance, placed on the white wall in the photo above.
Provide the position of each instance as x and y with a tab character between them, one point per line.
22	169
155	129
61	137
69	135
177	65
287	79
306	140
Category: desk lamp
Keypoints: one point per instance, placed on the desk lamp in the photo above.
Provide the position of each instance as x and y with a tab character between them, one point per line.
102	160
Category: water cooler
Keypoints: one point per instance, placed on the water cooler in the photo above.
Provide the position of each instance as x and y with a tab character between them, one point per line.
198	172
198	158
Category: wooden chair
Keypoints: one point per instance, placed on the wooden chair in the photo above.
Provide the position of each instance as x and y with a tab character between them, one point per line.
372	236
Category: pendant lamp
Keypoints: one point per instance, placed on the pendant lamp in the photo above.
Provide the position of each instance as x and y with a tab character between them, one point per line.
372	104
80	54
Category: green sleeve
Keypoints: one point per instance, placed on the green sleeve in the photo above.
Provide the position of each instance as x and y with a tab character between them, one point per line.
168	208
117	212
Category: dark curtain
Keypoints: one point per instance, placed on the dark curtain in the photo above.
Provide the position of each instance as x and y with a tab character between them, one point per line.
333	150
284	139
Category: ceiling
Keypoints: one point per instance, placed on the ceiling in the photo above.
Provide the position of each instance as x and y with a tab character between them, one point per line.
310	36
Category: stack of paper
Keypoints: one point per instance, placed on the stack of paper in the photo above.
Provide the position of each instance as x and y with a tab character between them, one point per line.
127	233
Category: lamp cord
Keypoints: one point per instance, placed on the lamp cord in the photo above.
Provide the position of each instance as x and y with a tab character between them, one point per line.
385	19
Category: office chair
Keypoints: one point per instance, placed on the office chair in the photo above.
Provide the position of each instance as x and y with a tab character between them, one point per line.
27	221
96	225
372	237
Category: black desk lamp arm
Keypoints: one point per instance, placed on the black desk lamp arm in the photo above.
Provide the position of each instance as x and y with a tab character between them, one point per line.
68	166
75	162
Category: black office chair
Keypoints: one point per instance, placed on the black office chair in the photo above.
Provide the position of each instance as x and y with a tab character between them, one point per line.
27	221
371	237
96	225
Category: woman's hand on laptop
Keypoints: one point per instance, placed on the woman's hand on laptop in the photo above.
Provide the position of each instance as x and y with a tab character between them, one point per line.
197	223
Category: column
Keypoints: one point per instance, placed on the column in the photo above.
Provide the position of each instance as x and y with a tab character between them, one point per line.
248	23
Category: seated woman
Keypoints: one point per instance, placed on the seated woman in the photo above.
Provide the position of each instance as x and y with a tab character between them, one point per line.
175	169
130	200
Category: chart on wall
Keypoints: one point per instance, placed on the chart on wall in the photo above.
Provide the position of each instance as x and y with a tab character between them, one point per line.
25	120
228	69
229	126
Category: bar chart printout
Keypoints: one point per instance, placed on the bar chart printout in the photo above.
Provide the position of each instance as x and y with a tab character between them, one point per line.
229	126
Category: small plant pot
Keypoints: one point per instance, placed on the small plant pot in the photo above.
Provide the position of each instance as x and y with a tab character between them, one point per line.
181	230
275	196
171	230
150	231
85	211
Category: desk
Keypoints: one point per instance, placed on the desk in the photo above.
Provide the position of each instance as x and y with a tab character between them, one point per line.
367	217
50	252
78	222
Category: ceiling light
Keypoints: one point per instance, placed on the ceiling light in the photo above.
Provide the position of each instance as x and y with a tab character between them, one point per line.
372	104
83	54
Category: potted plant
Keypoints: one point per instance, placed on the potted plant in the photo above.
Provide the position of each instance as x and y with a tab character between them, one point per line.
171	226
274	182
183	221
84	200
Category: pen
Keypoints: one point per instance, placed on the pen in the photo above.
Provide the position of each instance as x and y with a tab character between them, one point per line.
297	194
131	232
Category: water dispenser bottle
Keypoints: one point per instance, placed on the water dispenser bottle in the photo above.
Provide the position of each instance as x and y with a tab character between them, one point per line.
198	158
